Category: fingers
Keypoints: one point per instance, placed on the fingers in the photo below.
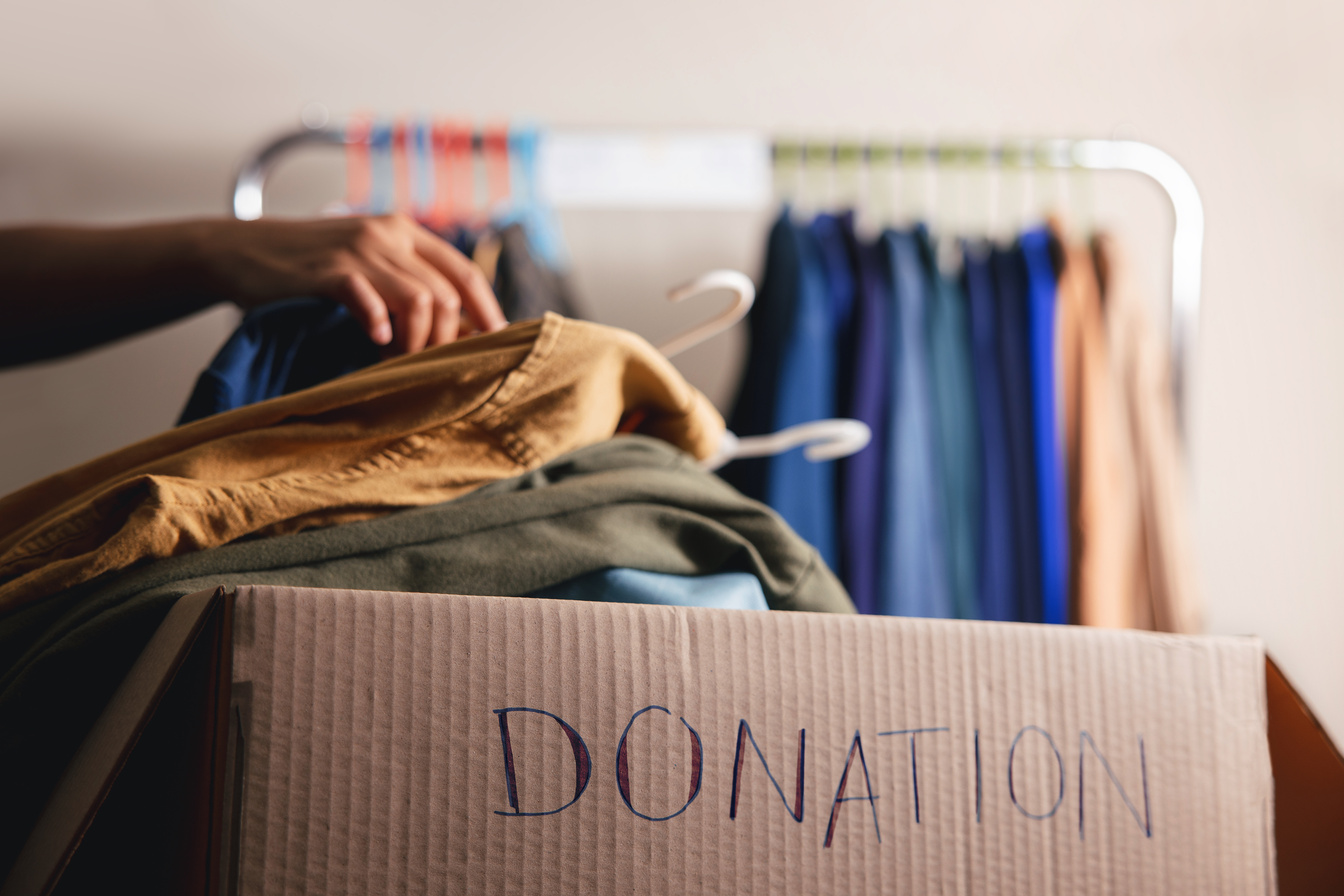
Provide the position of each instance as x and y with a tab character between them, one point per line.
407	288
438	318
478	299
357	294
426	285
410	303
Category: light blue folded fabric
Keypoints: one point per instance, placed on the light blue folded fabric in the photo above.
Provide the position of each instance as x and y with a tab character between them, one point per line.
725	590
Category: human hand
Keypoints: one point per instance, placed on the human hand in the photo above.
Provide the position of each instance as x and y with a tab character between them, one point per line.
407	287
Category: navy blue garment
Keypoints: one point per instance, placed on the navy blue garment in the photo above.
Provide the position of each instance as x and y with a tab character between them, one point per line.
834	235
280	348
835	242
863	475
767	328
996	575
1051	500
1010	280
791	380
914	561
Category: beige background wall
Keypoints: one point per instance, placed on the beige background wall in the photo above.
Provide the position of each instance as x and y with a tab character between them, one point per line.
142	109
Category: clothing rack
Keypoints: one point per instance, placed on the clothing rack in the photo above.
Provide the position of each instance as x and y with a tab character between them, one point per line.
641	177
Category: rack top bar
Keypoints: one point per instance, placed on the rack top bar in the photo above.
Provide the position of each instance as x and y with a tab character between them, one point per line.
606	179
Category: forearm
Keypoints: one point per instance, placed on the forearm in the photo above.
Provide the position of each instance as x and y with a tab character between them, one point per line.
69	288
66	288
63	289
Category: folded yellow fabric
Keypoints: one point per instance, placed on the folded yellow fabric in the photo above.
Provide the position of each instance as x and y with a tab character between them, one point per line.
415	430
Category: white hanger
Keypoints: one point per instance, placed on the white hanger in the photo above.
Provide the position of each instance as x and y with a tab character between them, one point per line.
822	439
744	294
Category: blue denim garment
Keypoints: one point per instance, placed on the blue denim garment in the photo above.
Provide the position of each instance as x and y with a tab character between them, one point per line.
997	577
802	491
724	590
914	563
1010	273
280	348
790	379
1051	499
957	429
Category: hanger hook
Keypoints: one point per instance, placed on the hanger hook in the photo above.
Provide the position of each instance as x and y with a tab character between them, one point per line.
744	292
821	440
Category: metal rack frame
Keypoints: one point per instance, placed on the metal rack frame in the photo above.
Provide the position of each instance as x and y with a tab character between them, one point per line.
1187	244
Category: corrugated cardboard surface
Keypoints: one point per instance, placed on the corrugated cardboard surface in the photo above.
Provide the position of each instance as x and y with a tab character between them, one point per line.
1047	759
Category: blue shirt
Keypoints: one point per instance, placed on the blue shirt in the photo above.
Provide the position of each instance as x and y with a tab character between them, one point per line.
280	348
1051	500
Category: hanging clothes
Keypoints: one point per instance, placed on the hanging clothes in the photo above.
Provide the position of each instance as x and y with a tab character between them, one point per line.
793	348
1105	527
1144	372
1051	501
1010	281
997	578
414	430
914	568
863	475
957	429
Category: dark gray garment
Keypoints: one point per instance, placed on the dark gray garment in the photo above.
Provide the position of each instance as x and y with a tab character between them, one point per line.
526	287
630	502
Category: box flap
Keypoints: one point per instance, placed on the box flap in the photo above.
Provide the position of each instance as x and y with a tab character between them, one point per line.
1308	793
108	747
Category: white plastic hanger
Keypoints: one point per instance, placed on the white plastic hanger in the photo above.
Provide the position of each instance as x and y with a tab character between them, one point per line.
821	440
744	294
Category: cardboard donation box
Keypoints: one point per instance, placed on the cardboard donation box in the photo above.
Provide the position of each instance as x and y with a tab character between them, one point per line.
363	742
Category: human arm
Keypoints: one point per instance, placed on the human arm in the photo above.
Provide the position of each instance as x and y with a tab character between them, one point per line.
63	289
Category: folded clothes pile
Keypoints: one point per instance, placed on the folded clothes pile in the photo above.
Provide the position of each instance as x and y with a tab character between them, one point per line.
498	465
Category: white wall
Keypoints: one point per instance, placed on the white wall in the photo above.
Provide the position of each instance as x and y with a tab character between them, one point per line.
143	108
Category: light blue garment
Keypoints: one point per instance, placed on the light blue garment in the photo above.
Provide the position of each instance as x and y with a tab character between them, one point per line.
1049	450
619	585
914	566
958	430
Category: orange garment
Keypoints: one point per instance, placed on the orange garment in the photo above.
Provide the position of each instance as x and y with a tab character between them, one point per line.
411	431
1104	519
1167	576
